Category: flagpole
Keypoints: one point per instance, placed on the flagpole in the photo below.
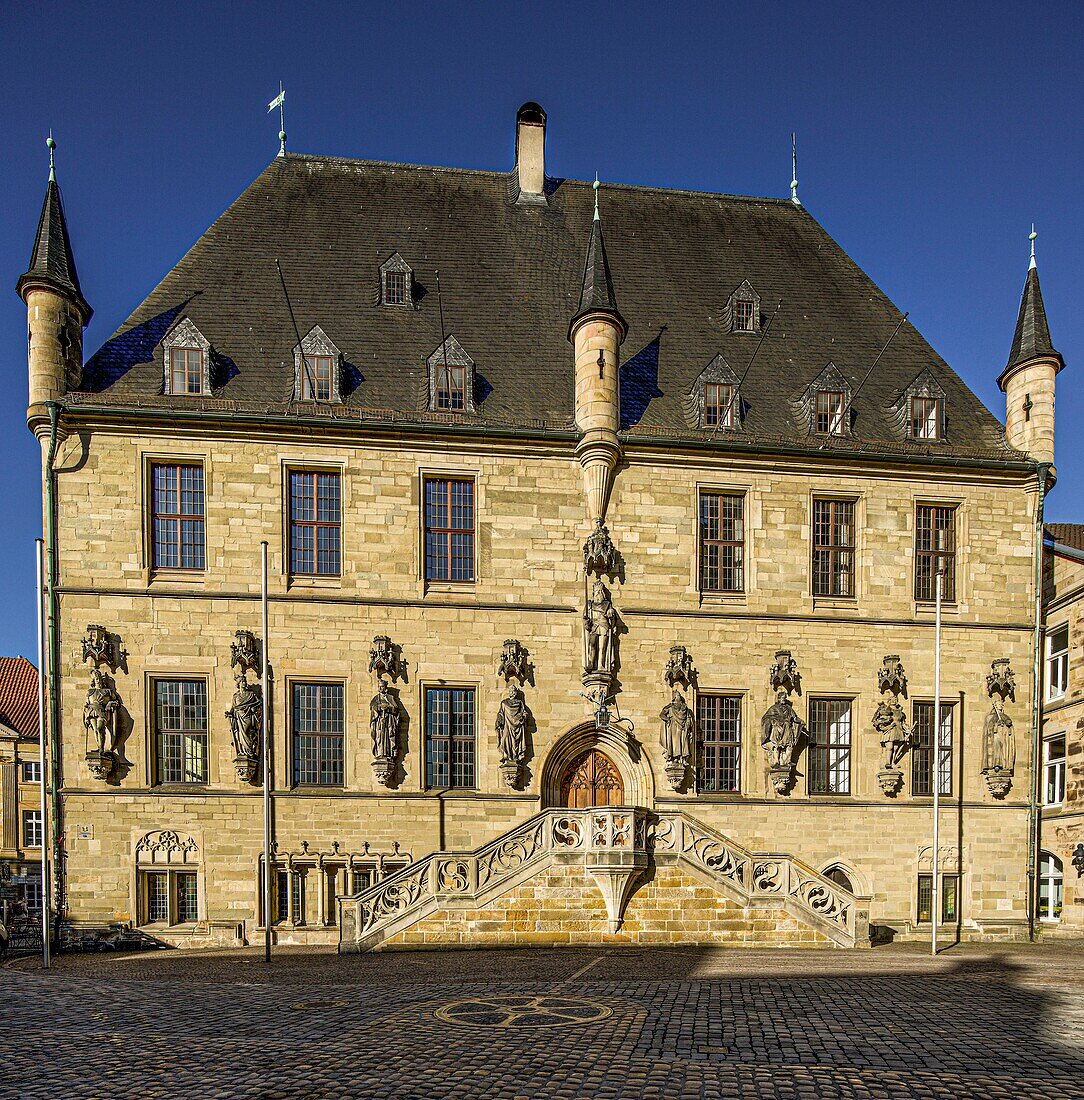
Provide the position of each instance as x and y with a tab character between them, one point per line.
39	554
935	895
266	677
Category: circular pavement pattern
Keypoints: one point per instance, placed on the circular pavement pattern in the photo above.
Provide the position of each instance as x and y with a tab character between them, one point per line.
515	1010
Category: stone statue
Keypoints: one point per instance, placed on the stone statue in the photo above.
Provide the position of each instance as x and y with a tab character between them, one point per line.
384	725
100	722
246	718
890	723
998	750
677	737
600	630
511	728
780	732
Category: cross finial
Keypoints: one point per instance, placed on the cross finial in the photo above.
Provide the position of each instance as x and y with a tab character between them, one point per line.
794	170
596	186
1031	237
52	162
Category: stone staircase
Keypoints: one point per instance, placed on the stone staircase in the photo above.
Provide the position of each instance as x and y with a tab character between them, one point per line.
604	875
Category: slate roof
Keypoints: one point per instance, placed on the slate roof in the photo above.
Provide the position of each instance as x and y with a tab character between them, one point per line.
512	277
19	696
1032	337
52	262
597	294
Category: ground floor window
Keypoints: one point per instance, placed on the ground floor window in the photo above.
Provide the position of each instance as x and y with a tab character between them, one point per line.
1050	887
449	737
830	746
950	897
308	894
840	878
168	897
719	722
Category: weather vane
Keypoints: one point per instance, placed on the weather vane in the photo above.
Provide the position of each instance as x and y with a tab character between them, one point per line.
278	102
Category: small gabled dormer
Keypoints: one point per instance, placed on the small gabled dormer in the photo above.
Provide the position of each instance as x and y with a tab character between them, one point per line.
920	412
451	378
317	376
826	403
186	361
396	282
743	310
714	401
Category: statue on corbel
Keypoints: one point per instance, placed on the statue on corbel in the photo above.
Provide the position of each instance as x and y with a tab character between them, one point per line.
781	730
677	739
998	739
101	711
385	714
890	724
599	631
513	713
245	716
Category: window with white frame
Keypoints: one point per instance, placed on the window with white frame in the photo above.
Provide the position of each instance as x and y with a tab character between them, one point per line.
1054	770
32	828
31	771
1050	887
1057	662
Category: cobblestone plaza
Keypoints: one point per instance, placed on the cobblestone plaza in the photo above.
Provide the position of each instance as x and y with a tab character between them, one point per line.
614	1025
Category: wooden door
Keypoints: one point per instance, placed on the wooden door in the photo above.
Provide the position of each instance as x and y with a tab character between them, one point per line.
592	780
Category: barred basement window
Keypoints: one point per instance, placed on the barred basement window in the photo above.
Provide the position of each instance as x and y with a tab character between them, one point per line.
935	546
830	746
449	737
719	722
720	406
833	548
318	734
315	523
449	529
925	418
828	414
950	894
922	750
722	542
177	498
180	722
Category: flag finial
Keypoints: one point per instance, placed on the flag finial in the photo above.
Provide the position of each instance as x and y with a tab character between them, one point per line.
794	170
1031	237
596	186
52	161
278	102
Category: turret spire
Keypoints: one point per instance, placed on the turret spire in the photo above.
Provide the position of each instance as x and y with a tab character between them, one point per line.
1032	337
597	291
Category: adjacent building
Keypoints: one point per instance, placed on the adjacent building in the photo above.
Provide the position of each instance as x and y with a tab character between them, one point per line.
605	533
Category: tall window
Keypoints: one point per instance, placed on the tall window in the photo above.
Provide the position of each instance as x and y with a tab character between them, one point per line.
830	746
1057	663
316	378
318	734
828	413
185	370
1054	770
935	545
178	522
925	418
156	905
31	771
290	897
180	719
744	315
833	547
720	406
922	755
315	523
187	907
168	897
451	387
722	542
31	828
394	288
1050	887
449	737
719	722
449	529
950	898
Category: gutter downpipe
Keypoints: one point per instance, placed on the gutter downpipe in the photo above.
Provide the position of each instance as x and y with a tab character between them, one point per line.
1034	817
52	646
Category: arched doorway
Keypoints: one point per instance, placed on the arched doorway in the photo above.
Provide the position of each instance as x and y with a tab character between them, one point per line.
592	780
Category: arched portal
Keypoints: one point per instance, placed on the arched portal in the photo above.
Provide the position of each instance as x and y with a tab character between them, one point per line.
618	774
592	780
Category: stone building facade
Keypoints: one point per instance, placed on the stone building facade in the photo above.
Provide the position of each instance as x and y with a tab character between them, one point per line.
601	585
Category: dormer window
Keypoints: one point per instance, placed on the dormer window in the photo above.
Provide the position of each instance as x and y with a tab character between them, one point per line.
451	378
925	418
719	406
743	316
830	412
186	361
714	401
396	282
317	368
743	309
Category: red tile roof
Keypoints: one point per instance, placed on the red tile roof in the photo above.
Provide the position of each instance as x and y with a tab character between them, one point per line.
19	695
1069	534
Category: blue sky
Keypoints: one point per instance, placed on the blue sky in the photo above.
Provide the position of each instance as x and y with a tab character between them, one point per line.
930	136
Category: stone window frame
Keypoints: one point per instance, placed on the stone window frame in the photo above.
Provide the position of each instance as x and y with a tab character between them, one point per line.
1055	877
424	687
723	491
172	860
743	292
178	675
717	372
853	731
950	595
425	475
855	501
160	462
956	878
314	578
1055	662
947	752
1054	769
320	681
740	697
452	352
397	265
185	335
317	343
829	380
28	827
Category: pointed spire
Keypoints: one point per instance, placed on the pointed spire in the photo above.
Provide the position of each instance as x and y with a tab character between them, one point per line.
1032	337
51	262
597	292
